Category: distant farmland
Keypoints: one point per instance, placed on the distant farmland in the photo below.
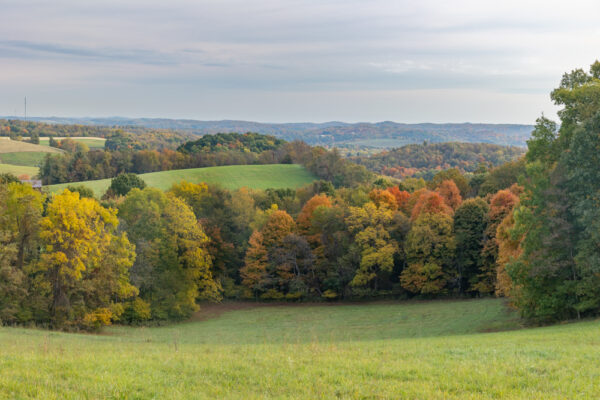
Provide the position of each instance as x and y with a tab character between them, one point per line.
91	142
15	146
230	177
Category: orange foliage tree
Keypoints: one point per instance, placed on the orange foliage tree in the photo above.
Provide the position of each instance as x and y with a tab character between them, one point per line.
430	203
402	196
383	198
450	193
501	205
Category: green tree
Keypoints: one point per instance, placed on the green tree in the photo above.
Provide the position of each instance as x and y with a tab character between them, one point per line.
123	183
20	214
173	268
430	249
470	224
370	225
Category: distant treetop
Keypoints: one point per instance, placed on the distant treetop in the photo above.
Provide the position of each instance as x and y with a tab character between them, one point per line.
247	142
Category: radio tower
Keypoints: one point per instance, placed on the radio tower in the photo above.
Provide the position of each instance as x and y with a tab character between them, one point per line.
25	108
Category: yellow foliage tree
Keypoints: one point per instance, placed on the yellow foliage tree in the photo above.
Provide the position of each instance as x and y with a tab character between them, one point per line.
85	260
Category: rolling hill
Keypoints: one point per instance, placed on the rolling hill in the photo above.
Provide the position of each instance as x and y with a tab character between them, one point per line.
414	159
230	177
386	134
15	146
21	158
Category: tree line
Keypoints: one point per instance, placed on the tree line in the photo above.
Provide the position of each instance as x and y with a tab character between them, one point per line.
425	160
69	261
78	164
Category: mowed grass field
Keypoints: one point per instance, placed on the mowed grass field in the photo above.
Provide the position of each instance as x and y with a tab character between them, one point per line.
230	177
18	170
28	158
21	158
428	350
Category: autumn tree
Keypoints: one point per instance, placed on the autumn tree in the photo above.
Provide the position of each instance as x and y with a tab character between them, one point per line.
383	198
173	268
430	203
430	249
454	175
373	241
509	250
402	197
450	193
304	220
501	205
20	214
254	271
86	262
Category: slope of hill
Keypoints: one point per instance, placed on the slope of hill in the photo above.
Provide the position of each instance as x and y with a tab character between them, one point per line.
15	146
385	134
15	154
18	170
422	350
413	159
230	177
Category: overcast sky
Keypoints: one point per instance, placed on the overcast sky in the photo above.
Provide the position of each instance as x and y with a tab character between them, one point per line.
288	61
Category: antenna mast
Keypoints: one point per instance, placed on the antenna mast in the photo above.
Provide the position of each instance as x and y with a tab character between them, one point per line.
25	108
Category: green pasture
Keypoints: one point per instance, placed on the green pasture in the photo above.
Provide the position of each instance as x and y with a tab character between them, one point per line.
230	177
18	170
474	349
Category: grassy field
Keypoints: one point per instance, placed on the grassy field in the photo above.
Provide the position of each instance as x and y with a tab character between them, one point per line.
28	158
428	350
15	146
18	170
92	143
230	177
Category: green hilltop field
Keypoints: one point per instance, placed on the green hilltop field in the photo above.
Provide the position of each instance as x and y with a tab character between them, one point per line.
230	177
91	142
415	350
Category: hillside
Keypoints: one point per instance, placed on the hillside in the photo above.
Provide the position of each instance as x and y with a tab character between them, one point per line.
420	350
15	146
416	159
18	170
21	158
94	136
230	177
385	134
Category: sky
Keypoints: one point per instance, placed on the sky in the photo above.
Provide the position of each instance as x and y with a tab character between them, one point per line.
293	60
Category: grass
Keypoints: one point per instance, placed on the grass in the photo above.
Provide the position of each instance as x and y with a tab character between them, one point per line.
15	146
230	177
429	350
18	170
28	158
92	143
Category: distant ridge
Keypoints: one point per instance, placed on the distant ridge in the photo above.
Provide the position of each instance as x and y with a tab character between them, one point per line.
385	134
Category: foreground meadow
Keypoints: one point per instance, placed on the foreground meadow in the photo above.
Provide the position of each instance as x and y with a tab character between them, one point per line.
448	350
